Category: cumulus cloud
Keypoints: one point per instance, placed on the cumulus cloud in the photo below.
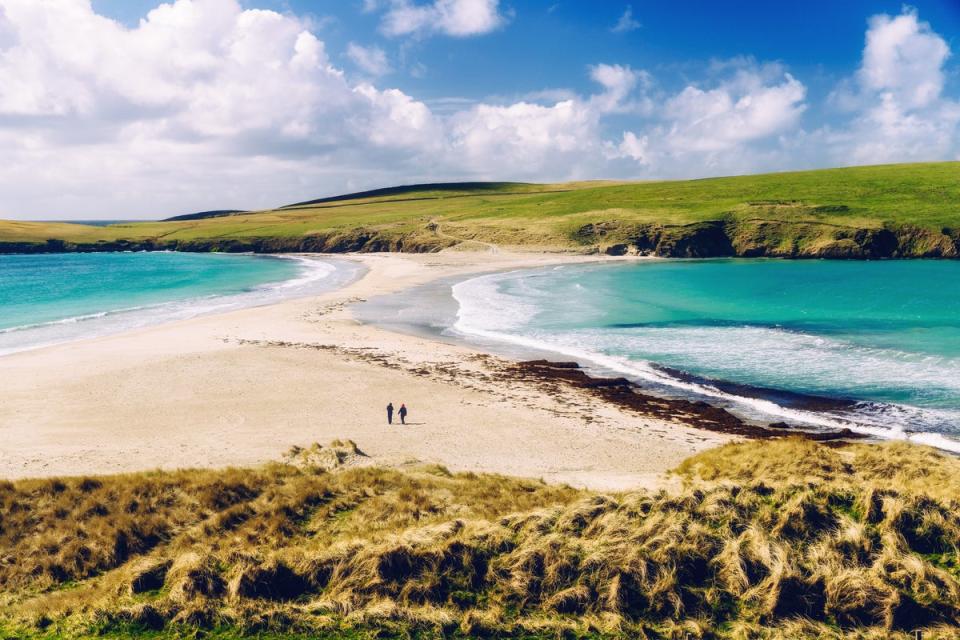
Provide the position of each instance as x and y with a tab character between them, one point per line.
898	110
617	80
904	58
737	111
736	122
526	139
459	18
893	109
634	148
214	106
524	136
371	60
200	97
207	105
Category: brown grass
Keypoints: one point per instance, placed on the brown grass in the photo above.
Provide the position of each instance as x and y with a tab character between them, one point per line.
897	466
853	542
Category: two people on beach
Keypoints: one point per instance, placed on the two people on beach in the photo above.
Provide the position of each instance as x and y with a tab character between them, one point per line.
402	413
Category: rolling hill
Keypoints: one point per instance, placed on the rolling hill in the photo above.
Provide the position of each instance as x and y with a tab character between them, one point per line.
906	210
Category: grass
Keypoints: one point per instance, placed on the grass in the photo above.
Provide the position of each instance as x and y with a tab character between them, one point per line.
801	213
775	539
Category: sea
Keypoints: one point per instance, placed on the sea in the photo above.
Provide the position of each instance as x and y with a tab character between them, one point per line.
49	299
869	345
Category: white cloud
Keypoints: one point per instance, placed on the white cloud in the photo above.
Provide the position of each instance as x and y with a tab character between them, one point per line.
202	104
619	83
372	60
616	79
527	140
626	23
898	109
738	111
634	148
736	124
457	18
205	105
215	106
522	137
393	119
903	57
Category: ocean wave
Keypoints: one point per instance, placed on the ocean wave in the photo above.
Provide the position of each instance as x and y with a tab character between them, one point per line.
314	271
788	359
775	354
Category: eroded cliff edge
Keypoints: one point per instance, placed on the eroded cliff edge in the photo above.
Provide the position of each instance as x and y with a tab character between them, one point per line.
718	238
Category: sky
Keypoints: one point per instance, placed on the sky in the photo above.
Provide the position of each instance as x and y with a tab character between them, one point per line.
129	109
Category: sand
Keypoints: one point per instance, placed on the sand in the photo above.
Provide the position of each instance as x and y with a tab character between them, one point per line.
241	388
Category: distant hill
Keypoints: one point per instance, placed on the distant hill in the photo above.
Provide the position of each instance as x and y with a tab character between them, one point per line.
888	211
415	188
201	215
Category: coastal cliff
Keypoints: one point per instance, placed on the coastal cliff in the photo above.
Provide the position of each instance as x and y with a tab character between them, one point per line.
710	239
767	238
355	240
891	211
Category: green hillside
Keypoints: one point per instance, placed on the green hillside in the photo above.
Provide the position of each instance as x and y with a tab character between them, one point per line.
909	210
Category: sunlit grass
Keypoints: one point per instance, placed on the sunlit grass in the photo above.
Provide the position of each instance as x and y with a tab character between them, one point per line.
775	539
924	195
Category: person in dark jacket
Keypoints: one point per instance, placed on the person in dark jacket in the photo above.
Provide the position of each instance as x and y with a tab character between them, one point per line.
390	413
403	413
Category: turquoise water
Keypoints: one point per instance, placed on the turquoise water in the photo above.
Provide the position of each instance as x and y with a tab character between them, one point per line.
41	288
53	298
882	339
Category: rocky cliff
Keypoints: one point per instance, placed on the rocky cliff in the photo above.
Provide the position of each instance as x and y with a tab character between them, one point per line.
337	241
718	238
766	238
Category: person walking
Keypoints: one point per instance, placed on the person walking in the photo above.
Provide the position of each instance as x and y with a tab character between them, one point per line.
403	413
390	413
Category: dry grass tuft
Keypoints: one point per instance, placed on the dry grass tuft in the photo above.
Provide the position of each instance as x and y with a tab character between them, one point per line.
780	539
337	454
890	466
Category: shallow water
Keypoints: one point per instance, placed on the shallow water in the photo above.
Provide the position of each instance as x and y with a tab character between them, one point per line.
52	298
871	345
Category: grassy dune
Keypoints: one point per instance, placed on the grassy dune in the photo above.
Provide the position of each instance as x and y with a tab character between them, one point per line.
860	541
892	210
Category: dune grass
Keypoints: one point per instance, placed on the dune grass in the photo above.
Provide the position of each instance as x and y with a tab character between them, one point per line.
813	206
774	539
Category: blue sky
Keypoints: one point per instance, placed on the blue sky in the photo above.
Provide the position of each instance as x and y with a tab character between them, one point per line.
545	42
125	108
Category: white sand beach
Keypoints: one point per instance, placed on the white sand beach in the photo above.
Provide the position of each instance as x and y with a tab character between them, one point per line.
241	388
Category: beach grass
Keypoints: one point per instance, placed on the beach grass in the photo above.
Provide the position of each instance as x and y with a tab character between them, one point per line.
772	539
781	212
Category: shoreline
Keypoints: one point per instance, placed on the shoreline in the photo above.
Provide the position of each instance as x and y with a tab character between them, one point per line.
752	411
241	387
625	393
315	276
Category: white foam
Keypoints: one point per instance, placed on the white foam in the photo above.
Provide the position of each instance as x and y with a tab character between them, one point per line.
937	440
484	308
488	313
315	276
314	271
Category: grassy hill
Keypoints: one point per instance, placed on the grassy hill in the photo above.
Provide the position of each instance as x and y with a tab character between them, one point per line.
780	539
882	211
